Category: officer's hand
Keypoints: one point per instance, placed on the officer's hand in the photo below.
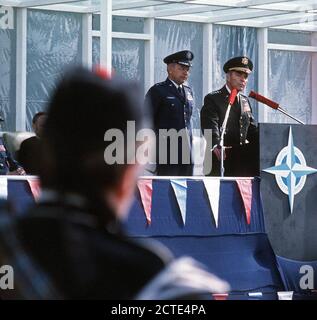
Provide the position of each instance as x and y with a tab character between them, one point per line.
217	153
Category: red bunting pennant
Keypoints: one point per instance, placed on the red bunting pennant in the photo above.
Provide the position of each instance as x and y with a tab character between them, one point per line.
145	188
220	296
35	187
245	187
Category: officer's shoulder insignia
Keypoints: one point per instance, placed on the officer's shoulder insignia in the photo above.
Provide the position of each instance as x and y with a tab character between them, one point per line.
187	88
215	92
159	84
189	96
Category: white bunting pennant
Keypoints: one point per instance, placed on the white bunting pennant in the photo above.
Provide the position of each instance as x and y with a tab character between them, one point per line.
212	187
180	191
3	187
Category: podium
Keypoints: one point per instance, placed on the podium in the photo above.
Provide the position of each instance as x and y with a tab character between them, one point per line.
288	166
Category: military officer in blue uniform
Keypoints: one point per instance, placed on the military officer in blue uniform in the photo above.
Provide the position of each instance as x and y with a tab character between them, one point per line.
241	137
171	103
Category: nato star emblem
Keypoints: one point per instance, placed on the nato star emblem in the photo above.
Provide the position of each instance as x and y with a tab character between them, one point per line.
290	170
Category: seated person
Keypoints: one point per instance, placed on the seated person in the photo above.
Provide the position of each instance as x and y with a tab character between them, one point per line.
74	233
29	155
8	166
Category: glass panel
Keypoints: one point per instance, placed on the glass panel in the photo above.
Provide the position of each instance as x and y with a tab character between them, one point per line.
128	59
121	24
289	84
289	37
95	51
127	24
229	42
96	22
53	43
7	78
173	36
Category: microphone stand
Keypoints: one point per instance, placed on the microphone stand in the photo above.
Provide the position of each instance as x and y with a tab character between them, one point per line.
221	142
223	128
289	115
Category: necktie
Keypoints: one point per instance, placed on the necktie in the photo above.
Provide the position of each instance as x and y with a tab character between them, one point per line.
180	90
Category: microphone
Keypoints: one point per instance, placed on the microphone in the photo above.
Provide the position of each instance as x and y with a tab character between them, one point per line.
264	100
233	95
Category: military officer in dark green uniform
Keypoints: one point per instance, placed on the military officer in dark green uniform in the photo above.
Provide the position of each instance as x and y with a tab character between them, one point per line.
241	137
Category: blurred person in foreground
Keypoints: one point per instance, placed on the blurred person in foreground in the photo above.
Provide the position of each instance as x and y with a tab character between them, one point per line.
74	233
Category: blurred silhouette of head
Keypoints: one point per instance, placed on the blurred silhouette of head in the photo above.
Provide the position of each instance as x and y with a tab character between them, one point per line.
83	107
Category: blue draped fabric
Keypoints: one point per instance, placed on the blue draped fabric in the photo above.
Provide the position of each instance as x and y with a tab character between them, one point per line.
235	251
246	261
293	271
20	196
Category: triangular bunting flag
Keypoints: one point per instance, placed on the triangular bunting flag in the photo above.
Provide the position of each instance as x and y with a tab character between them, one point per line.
146	189
220	296
35	187
3	187
212	187
245	187
285	295
180	191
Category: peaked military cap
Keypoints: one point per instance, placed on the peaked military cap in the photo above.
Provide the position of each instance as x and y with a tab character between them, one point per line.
243	64
181	57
